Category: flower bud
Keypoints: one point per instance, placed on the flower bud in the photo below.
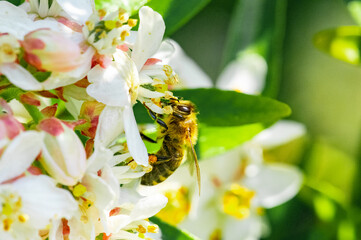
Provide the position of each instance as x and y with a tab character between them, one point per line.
9	126
51	51
63	154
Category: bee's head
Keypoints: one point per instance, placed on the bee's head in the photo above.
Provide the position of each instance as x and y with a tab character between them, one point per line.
183	108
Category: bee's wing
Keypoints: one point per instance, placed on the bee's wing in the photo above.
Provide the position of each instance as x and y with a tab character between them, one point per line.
192	156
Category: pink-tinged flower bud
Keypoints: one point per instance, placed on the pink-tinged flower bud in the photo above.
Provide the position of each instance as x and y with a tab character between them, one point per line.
51	51
9	126
63	154
90	111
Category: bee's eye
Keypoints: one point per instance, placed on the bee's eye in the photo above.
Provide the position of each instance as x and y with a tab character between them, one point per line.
184	109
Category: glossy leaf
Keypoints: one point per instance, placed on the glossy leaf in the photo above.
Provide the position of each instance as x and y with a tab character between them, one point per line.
213	141
226	108
176	13
131	6
170	232
342	43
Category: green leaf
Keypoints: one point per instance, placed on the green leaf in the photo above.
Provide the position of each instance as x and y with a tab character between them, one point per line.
176	13
34	112
354	7
15	2
131	6
258	26
324	161
170	232
10	93
342	43
217	140
42	76
226	108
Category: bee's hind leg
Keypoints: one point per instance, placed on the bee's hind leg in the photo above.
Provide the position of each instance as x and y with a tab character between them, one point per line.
155	159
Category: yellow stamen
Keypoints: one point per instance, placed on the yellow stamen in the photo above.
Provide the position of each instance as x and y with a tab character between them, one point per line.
178	206
132	22
153	229
237	201
102	13
123	16
124	34
23	218
7	209
167	70
133	165
110	24
79	190
161	87
7	224
90	25
141	229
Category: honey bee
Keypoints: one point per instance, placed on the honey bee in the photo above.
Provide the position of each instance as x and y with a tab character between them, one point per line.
179	133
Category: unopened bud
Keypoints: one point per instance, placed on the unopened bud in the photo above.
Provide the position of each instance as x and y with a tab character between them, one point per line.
51	51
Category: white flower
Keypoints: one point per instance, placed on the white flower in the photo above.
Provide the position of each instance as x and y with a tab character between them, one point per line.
190	74
29	204
79	10
63	155
15	24
130	216
236	188
18	154
117	86
246	74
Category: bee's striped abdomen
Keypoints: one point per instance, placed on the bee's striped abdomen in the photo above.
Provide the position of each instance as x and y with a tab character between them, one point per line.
161	172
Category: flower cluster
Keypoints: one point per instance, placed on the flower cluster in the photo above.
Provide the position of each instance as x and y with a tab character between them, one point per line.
77	177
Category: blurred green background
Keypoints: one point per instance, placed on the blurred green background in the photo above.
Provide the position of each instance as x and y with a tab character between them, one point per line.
324	94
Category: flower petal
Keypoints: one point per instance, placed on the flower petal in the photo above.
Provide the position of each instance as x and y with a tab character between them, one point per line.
135	144
190	74
104	194
280	133
148	206
275	184
19	155
247	74
14	20
149	37
42	200
246	229
79	10
20	77
108	86
109	127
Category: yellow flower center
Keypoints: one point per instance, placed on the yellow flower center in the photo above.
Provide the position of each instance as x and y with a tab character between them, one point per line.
9	49
178	206
11	211
106	31
237	201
